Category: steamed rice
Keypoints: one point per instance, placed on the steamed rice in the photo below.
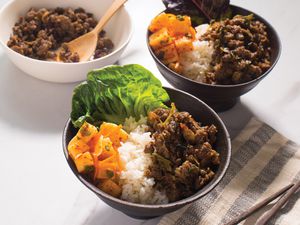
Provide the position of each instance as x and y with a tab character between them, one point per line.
136	187
196	63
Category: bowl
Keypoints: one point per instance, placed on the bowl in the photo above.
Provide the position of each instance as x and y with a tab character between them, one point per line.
220	97
199	110
119	30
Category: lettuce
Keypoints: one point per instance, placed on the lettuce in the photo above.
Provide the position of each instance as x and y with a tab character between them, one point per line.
185	7
200	11
114	93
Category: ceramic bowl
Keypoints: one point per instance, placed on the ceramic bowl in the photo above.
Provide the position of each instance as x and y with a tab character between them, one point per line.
119	30
201	112
221	97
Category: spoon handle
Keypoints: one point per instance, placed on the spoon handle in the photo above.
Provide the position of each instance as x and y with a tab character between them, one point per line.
108	14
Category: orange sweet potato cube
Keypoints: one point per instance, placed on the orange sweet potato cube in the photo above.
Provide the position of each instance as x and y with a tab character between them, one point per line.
160	39
110	187
84	162
168	54
106	170
86	132
160	21
184	44
192	33
114	132
176	67
77	147
179	25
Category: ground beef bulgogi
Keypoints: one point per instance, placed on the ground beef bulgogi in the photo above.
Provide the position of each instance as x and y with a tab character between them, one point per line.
242	50
42	31
183	158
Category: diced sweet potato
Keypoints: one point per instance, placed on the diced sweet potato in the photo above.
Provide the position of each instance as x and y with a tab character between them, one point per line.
192	33
179	25
160	38
105	148
86	132
168	54
160	21
115	133
176	67
84	162
110	187
107	169
77	147
100	144
184	44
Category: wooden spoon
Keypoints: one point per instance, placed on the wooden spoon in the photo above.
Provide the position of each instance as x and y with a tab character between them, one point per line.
86	44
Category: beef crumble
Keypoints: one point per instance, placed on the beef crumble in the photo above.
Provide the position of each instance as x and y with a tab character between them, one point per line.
183	158
242	50
42	31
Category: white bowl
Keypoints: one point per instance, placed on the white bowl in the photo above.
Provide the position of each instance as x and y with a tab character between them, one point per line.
118	29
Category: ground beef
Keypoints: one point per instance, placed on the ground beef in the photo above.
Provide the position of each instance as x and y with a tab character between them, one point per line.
42	31
242	50
183	157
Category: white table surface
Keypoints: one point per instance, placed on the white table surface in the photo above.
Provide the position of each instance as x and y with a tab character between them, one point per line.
38	188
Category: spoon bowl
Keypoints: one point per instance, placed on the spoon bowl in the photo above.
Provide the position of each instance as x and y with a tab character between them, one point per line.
86	44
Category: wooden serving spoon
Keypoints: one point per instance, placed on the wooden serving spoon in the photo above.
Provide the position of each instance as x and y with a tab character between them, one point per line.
86	44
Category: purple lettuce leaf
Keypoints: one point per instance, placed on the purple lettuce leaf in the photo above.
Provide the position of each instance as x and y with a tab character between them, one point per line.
185	7
212	9
200	11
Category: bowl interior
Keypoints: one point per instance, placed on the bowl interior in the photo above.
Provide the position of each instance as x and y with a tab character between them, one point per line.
274	42
118	28
201	112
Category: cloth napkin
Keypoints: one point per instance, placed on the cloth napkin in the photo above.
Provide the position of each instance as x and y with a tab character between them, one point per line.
263	161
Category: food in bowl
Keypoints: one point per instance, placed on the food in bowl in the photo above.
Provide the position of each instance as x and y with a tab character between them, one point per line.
131	145
225	51
42	31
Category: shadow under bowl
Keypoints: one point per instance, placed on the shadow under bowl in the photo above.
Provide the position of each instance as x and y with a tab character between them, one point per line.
201	112
220	97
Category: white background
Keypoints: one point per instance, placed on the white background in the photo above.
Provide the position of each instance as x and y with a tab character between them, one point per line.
38	188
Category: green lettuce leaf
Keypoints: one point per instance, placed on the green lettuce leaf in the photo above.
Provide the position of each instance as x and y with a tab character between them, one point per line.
116	92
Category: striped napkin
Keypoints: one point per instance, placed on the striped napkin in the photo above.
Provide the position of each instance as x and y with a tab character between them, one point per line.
263	161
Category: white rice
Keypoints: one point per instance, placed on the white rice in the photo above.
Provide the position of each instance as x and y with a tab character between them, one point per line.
196	62
136	187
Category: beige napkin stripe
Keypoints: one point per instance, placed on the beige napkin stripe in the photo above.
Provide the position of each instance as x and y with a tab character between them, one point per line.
287	175
293	216
252	126
242	180
261	183
173	217
293	208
